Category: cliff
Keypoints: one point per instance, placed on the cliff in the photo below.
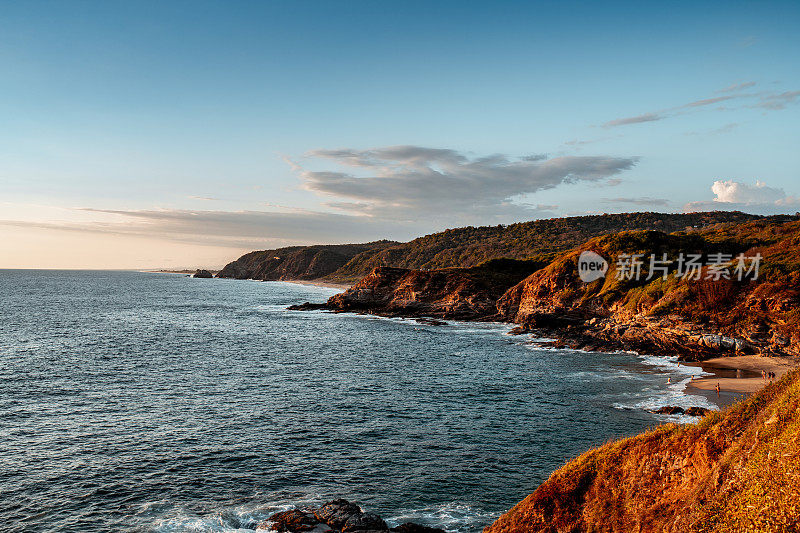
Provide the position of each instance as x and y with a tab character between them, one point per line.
456	293
691	317
296	262
736	470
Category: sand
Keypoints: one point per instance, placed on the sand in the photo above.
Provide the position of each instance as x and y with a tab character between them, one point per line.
328	284
733	388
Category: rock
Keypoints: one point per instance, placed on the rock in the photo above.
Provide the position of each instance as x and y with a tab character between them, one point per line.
675	410
307	306
431	321
364	522
200	273
336	513
669	410
292	521
409	527
457	293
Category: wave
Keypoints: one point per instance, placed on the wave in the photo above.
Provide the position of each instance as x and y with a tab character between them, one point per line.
163	517
452	517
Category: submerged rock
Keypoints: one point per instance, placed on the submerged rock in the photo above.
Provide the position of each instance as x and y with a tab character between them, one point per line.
675	410
337	516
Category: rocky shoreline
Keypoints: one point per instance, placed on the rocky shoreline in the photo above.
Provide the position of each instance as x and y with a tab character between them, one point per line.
337	516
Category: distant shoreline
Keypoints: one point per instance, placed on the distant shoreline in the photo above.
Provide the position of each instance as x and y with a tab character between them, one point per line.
187	271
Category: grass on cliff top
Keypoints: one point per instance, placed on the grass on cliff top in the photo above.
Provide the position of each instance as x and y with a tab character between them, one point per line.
735	470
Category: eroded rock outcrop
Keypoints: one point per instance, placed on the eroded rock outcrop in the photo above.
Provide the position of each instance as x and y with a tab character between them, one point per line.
456	293
337	516
200	273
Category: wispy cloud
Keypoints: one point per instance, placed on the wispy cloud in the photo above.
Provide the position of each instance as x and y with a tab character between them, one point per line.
641	200
244	229
204	198
765	100
638	119
409	182
708	101
727	128
777	101
736	87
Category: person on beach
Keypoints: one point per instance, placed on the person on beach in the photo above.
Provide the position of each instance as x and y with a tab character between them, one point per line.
717	389
669	380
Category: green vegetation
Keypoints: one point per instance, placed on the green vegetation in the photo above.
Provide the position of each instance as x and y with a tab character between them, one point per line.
536	240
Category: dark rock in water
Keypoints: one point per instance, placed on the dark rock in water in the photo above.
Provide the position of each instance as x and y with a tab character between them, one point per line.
519	330
697	411
337	516
675	410
292	521
200	273
431	322
307	306
669	410
364	522
408	527
337	513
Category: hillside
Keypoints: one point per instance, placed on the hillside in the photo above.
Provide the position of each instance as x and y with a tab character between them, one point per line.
736	470
461	247
537	239
297	262
673	315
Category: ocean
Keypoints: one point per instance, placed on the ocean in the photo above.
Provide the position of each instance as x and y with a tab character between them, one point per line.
133	401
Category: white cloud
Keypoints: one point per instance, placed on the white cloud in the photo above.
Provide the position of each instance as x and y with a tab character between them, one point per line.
730	195
736	192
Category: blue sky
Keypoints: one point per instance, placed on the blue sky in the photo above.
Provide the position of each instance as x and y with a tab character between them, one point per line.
183	133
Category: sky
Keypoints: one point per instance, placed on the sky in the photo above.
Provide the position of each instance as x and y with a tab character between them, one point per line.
183	134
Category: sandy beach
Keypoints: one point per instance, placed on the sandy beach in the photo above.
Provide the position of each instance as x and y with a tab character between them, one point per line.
738	377
328	284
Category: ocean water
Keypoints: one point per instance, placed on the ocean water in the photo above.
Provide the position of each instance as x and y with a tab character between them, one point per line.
152	402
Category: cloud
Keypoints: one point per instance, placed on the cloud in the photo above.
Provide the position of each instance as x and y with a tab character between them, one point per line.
638	119
777	101
766	100
730	195
727	128
204	198
734	191
244	229
404	183
736	87
641	200
708	101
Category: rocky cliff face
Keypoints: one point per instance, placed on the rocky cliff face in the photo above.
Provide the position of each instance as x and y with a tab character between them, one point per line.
296	262
456	293
691	318
738	470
